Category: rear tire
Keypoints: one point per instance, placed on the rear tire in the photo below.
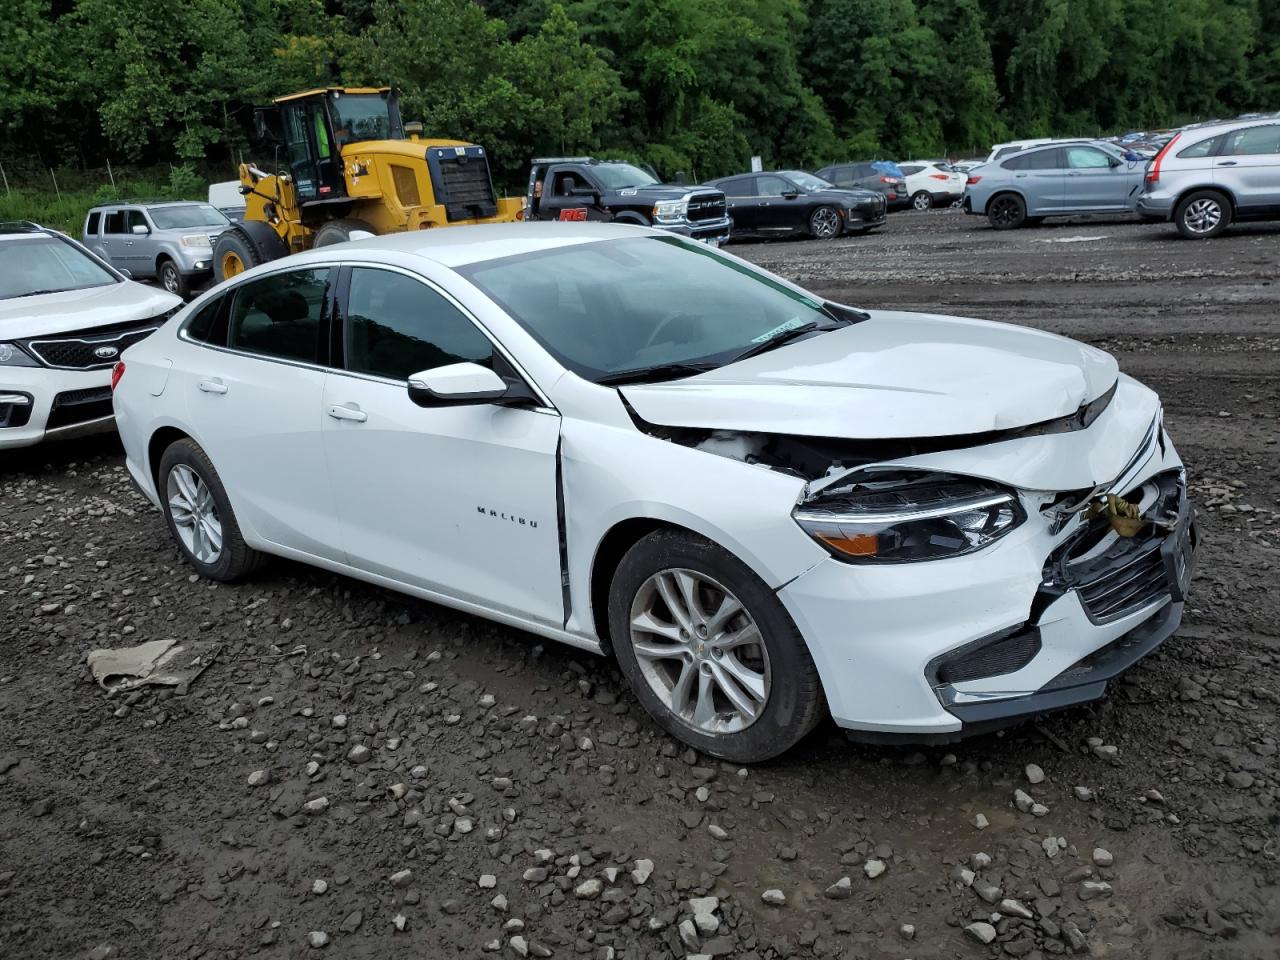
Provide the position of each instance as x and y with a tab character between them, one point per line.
172	279
921	200
1006	211
199	514
233	254
339	231
1203	215
741	685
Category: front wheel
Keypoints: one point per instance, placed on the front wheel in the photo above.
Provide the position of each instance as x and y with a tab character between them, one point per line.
824	223
1007	211
921	200
199	514
171	279
233	254
709	649
1203	215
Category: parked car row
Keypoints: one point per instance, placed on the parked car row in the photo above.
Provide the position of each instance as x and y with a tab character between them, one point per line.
1204	178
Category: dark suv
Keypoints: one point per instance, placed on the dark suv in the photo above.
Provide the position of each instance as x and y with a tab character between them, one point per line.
583	188
868	176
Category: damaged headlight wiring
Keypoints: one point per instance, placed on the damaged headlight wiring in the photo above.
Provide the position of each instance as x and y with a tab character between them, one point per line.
906	516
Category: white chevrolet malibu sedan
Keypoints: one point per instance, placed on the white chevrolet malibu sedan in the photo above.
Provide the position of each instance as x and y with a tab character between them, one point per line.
767	506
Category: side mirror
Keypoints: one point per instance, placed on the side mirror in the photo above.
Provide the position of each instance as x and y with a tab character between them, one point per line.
455	385
1112	161
140	229
790	195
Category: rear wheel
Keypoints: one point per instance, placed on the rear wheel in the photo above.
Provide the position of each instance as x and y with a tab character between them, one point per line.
171	279
921	200
340	231
233	254
709	649
824	223
199	514
1203	215
1006	211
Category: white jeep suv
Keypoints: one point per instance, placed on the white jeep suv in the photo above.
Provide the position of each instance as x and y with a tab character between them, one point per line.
65	316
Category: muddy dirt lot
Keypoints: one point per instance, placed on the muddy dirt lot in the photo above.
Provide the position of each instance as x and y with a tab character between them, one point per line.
367	776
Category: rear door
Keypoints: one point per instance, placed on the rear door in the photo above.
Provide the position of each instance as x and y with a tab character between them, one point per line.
1249	166
134	248
1093	182
740	200
111	243
456	499
1040	177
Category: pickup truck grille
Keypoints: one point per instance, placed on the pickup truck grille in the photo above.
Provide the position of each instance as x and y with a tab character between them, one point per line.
707	206
90	349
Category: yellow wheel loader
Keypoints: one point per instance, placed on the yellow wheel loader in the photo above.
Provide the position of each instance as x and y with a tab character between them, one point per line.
342	164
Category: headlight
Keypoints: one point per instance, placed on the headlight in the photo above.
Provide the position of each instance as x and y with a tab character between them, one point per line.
11	355
671	210
904	516
196	240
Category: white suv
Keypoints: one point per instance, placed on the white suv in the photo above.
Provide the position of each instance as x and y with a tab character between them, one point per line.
65	316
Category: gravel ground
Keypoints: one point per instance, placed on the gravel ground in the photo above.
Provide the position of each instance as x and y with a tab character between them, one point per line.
363	775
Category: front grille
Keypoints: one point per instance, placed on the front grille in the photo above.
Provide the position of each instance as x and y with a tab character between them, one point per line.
1130	585
79	406
988	657
80	350
460	178
707	207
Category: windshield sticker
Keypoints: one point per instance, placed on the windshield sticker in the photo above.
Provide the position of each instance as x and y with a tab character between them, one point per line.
780	328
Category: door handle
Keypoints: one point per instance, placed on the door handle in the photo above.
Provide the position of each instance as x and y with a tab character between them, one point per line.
347	411
1226	163
212	385
1073	173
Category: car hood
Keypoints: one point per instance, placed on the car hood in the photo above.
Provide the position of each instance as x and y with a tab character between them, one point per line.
54	313
850	195
662	191
895	375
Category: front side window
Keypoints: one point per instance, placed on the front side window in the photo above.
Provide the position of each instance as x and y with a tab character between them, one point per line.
397	326
133	218
279	316
1086	158
44	264
188	215
1254	141
617	306
773	187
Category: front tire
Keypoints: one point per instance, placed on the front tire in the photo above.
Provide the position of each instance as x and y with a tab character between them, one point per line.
340	231
199	514
1203	215
921	200
1006	211
710	651
172	279
824	223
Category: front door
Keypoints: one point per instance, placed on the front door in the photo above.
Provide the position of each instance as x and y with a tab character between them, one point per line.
458	499
568	194
259	405
1094	182
1249	166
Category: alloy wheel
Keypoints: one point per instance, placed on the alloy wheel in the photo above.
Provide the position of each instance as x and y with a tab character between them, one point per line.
169	277
1005	210
194	513
700	651
1203	215
825	223
922	201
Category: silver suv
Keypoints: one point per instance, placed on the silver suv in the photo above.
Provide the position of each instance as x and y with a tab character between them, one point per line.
1208	176
170	241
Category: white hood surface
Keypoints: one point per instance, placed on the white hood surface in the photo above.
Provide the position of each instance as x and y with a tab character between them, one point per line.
896	375
54	313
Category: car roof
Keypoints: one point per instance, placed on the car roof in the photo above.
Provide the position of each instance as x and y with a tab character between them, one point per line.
149	203
1218	126
455	247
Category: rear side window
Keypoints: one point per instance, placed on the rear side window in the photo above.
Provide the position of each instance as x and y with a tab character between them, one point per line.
739	187
209	325
1205	148
114	222
397	326
91	226
279	316
1253	141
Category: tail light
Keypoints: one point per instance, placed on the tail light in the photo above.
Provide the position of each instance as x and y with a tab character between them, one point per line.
972	181
888	179
938	176
116	373
1153	172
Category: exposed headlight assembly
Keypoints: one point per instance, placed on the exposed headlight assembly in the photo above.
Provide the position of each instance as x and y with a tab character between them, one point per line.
11	355
900	517
199	240
671	210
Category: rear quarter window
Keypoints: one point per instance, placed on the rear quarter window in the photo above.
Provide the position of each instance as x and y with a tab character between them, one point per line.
91	225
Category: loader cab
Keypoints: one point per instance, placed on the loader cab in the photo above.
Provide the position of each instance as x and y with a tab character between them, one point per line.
308	131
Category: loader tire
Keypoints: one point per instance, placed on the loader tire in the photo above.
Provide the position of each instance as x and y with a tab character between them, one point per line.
339	231
233	254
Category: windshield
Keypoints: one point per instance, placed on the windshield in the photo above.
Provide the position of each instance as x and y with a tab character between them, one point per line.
617	306
807	181
615	176
363	116
191	215
32	265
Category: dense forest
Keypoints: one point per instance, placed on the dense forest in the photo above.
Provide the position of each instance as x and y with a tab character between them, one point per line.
698	85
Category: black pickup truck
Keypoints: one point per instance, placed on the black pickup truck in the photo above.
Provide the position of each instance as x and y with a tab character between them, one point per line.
583	188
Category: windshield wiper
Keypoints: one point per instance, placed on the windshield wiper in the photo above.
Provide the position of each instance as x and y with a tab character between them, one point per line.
659	371
785	337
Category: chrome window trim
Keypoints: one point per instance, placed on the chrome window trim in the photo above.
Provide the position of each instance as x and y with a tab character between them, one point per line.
545	404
